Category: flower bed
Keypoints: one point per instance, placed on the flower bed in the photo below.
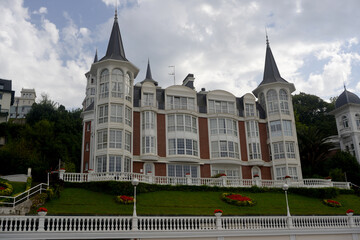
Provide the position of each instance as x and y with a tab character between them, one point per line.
6	189
331	203
219	175
123	199
237	199
42	209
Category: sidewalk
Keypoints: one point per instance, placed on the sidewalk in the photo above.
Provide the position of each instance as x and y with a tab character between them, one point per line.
15	177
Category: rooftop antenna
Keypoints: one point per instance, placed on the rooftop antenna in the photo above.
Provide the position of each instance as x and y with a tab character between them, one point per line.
116	9
173	72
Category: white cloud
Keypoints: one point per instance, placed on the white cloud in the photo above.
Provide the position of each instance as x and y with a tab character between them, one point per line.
32	55
42	10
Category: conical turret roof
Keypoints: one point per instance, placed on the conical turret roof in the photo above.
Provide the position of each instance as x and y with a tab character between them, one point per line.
271	71
148	77
115	49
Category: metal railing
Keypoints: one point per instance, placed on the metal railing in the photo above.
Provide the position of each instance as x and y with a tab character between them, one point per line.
6	201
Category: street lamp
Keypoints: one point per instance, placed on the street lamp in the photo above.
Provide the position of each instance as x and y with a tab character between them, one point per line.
285	188
134	182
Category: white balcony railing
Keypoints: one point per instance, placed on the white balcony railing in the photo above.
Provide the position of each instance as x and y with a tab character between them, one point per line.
65	224
220	182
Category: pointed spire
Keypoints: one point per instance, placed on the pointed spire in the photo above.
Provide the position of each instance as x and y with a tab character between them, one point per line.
271	71
115	49
148	71
96	57
148	77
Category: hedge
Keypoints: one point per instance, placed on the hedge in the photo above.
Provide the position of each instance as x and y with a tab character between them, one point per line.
126	188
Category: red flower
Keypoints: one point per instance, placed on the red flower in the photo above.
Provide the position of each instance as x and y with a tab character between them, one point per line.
349	211
218	211
333	201
42	209
2	188
287	177
238	197
222	175
256	175
126	198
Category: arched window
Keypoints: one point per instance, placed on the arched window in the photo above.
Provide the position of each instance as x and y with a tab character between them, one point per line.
272	102
127	87
357	120
117	83
284	104
104	84
345	122
255	171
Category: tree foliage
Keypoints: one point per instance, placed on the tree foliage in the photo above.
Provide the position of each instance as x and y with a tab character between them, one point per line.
50	134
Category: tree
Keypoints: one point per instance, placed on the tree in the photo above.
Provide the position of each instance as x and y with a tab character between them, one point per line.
314	112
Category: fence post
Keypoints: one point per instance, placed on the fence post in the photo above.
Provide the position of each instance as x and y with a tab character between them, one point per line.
61	173
224	180
218	220
41	224
351	221
188	179
289	222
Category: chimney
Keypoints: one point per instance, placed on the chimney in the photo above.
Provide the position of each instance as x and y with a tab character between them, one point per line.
189	81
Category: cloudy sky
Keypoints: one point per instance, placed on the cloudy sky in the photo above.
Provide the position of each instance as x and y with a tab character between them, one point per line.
50	45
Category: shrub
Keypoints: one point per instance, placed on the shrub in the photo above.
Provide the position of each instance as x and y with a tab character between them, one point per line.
237	199
28	183
6	189
38	201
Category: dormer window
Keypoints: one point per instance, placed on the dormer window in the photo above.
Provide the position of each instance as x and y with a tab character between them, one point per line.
221	107
175	102
249	110
148	99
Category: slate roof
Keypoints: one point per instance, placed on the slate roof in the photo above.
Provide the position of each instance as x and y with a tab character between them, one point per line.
148	77
271	71
115	49
345	98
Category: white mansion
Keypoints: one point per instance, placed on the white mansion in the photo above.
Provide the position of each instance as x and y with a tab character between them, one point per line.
177	131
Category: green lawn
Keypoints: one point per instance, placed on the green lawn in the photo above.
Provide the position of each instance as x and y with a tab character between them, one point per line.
19	187
76	201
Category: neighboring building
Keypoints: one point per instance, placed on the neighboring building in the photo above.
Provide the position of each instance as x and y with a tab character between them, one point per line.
6	99
347	115
177	131
22	104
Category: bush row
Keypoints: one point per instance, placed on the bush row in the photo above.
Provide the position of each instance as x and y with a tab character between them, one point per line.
126	188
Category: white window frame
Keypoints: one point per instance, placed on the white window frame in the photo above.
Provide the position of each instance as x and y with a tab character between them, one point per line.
249	109
116	113
115	140
102	139
103	115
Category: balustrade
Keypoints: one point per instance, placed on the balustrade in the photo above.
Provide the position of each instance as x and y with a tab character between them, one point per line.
219	182
166	223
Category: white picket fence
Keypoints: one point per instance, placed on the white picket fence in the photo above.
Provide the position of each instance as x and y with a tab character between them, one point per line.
169	223
220	182
6	201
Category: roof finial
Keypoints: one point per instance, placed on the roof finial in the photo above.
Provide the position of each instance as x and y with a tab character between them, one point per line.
116	17
344	86
267	38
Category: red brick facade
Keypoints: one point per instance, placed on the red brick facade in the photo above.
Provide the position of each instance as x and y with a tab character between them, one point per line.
160	169
246	172
161	135
263	138
87	138
204	138
136	134
137	166
243	144
266	173
205	171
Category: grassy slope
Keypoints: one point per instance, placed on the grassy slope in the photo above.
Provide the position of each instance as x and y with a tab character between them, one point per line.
75	201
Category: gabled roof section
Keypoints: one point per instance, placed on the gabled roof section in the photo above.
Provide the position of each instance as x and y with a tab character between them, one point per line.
271	71
115	49
345	98
148	77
